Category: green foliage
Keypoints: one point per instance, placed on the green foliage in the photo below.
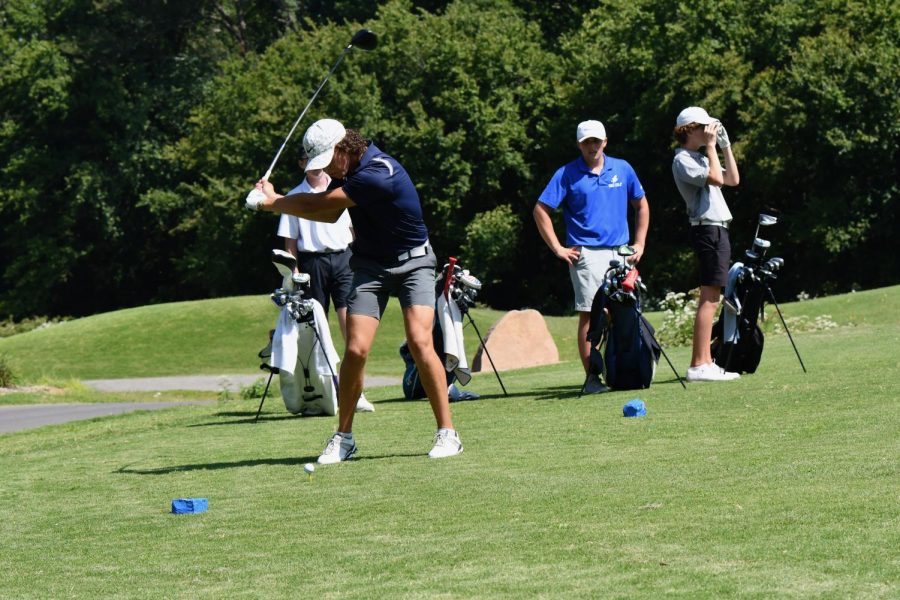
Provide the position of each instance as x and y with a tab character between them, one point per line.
130	132
254	390
9	327
491	241
7	377
679	311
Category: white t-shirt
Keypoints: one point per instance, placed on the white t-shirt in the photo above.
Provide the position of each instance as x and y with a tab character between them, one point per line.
313	236
703	201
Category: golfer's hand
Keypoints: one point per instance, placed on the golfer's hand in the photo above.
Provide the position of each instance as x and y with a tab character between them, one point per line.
266	187
570	255
722	137
710	132
638	253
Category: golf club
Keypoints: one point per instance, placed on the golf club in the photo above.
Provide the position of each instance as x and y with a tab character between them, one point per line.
363	39
764	220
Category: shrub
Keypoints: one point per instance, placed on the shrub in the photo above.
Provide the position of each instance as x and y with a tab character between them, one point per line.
679	308
491	241
7	378
254	390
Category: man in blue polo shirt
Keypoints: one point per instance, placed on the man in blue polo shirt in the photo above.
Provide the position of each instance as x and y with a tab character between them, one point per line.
391	254
594	191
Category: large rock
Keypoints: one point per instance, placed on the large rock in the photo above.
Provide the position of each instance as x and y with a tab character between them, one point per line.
519	339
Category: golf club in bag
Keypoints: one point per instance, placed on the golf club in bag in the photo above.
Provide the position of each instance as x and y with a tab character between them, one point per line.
363	39
624	348
456	291
737	339
301	351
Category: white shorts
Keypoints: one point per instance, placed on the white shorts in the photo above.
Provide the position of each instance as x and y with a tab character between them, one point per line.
587	274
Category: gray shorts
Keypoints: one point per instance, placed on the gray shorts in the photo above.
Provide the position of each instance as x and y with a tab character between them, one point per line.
587	274
411	281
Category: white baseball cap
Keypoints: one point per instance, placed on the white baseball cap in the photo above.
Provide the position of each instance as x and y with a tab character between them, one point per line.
590	129
693	114
319	142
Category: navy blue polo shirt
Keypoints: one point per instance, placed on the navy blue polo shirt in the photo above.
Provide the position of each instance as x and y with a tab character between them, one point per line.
387	218
595	205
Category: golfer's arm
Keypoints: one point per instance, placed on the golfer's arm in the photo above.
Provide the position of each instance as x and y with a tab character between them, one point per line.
641	221
545	226
715	167
324	206
732	175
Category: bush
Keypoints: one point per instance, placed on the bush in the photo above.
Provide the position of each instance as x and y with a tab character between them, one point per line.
491	241
680	309
254	390
8	327
7	378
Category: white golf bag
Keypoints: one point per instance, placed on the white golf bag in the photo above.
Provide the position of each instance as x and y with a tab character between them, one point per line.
302	350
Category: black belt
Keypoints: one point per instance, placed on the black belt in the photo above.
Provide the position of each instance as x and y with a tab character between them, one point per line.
323	252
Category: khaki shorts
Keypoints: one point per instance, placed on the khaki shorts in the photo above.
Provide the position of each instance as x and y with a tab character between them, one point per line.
587	274
411	281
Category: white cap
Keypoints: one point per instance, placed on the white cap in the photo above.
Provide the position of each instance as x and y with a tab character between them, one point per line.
693	114
590	129
319	142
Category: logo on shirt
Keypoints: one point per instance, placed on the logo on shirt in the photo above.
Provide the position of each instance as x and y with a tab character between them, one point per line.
614	182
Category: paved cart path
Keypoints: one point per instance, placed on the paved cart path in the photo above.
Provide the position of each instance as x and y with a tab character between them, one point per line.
30	416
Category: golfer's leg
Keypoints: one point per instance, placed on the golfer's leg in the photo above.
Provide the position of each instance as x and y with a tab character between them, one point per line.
584	346
342	321
360	335
418	321
703	324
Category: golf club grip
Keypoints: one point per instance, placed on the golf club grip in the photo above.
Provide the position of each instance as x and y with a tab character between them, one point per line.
628	282
449	275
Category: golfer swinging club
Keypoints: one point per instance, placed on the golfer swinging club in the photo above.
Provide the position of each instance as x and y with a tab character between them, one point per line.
391	253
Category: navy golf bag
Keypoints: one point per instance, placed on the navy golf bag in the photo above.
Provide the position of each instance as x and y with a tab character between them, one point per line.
624	350
737	339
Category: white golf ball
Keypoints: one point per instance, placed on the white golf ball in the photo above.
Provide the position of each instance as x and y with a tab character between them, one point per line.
309	467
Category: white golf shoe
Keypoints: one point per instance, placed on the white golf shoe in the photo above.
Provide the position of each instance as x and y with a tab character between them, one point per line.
710	372
339	448
446	443
363	405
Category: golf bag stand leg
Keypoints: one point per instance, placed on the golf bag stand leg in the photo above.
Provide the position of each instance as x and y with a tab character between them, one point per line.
788	331
661	349
272	371
488	354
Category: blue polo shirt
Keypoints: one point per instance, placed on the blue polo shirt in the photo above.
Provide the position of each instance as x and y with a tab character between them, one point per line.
595	205
387	218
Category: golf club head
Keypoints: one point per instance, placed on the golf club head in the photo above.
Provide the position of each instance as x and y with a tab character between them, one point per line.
626	250
364	39
766	220
761	243
614	263
751	255
285	263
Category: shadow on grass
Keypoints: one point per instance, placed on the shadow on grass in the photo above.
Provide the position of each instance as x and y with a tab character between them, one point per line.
288	462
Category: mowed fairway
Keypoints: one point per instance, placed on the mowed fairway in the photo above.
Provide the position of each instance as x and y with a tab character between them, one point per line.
782	484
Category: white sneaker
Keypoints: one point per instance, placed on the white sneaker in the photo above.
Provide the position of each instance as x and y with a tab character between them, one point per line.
446	443
594	385
363	405
710	372
338	449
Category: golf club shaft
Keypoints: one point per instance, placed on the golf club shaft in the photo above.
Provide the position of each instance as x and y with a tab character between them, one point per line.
300	118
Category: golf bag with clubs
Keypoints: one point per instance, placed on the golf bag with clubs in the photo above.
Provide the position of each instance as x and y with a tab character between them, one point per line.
737	339
624	349
301	351
455	291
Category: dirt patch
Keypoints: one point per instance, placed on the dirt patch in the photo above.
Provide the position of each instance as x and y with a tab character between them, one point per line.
32	389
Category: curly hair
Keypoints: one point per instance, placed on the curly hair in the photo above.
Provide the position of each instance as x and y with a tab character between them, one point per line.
683	131
353	144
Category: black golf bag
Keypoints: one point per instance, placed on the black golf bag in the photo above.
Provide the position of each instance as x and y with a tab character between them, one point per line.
624	350
461	291
737	339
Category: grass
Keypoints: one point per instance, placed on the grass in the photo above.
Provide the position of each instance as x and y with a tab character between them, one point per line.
778	485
